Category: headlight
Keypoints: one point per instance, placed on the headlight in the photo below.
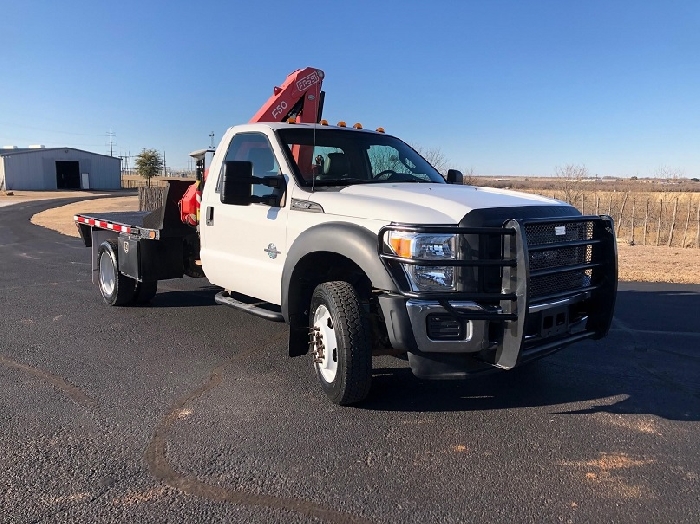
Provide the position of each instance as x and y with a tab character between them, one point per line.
426	246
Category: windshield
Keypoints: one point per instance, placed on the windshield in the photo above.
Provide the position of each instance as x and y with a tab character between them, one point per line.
334	157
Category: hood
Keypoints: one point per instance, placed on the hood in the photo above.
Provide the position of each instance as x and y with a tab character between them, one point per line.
420	203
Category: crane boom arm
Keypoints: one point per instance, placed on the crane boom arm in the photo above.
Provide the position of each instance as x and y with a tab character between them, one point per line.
299	97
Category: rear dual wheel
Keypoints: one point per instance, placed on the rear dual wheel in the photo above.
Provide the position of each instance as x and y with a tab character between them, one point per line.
116	288
340	342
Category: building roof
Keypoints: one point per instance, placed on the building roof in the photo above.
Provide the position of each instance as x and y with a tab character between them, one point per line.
22	150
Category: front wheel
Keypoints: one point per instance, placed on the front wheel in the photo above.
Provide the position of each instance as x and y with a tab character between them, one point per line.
340	342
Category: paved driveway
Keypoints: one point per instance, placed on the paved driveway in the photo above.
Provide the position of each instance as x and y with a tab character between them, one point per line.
185	411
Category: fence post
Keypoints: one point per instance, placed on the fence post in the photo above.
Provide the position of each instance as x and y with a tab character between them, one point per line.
687	221
610	206
583	203
622	210
673	223
646	219
633	209
661	211
597	204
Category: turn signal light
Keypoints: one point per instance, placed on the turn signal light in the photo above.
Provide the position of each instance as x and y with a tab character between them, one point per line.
402	247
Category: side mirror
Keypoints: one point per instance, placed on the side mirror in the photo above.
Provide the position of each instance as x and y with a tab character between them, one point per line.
455	177
237	183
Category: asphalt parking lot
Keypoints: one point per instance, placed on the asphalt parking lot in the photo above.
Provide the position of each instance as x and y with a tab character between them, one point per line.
186	411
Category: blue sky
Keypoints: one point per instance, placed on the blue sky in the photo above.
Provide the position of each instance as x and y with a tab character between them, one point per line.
501	87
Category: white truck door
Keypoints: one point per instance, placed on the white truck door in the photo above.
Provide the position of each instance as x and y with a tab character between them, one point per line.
244	247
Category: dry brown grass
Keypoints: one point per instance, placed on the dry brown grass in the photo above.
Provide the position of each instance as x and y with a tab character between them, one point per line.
61	218
590	185
659	264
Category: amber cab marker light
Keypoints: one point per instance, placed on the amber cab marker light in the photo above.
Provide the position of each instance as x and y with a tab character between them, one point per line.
324	122
341	124
380	130
357	125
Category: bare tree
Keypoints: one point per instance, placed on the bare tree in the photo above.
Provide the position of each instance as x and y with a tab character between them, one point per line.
434	156
569	181
671	177
469	177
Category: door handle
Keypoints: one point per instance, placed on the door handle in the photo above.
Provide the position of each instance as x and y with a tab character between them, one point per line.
210	216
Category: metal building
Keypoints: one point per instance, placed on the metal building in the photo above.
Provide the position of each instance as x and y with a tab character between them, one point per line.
40	168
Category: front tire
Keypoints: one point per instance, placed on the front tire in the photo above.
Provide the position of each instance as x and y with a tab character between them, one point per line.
340	343
116	289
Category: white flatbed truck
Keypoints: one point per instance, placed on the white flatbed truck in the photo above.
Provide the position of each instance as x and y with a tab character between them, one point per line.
363	249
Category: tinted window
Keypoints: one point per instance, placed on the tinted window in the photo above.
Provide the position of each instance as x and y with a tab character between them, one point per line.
255	148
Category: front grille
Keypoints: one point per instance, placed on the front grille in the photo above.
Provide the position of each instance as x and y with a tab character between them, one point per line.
551	257
560	282
565	256
539	234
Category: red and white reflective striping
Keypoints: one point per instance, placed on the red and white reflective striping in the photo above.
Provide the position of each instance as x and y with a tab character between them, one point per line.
120	228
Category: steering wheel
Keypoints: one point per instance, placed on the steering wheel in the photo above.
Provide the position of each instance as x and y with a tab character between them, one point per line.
389	172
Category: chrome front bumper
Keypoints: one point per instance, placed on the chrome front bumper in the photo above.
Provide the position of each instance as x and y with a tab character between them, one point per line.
476	335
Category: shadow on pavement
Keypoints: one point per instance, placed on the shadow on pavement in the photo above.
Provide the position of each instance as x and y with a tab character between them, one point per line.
203	296
648	364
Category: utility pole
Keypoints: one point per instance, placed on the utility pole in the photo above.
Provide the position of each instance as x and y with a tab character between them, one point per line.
111	136
211	136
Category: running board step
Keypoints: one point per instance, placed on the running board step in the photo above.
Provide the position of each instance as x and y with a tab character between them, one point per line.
250	305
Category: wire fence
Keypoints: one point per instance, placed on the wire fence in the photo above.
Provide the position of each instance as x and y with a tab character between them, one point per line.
649	219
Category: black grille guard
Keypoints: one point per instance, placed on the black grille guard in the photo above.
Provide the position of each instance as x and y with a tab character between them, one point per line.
594	273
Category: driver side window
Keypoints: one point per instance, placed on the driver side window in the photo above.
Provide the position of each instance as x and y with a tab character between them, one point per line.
255	148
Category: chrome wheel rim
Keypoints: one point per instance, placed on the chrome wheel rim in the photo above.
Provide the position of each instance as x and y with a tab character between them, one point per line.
108	274
327	354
